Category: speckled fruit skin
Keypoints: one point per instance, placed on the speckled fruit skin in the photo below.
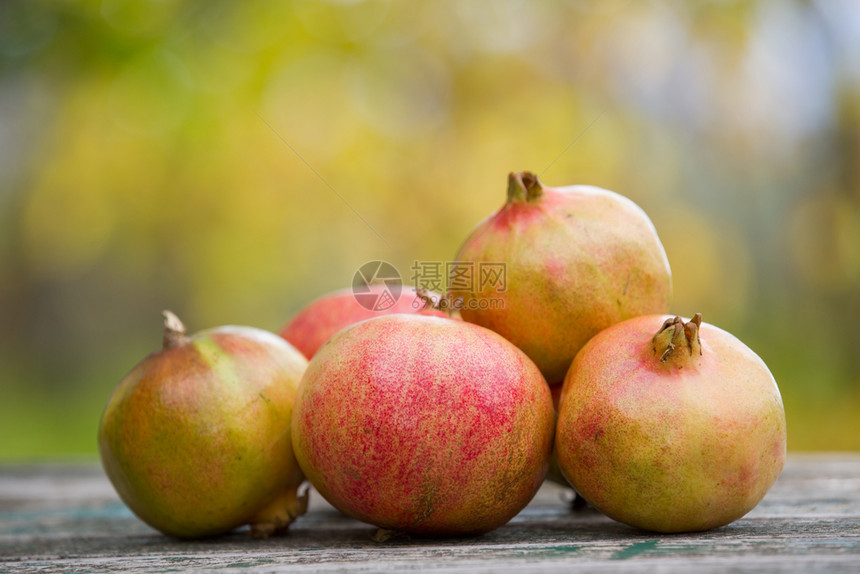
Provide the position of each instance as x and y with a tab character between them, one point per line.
195	438
579	259
688	444
320	319
424	425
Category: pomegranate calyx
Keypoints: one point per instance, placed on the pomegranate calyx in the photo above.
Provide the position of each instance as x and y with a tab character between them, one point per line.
174	330
442	303
675	333
524	186
276	518
429	303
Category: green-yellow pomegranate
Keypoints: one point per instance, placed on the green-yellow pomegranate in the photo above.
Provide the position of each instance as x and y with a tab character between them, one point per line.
679	431
196	438
575	260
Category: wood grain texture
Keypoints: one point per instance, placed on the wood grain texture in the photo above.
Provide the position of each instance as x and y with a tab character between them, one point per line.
66	517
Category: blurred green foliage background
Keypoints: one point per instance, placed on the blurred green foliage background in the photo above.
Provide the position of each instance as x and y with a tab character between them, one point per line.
193	155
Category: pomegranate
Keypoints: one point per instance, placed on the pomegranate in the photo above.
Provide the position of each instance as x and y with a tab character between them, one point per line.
577	260
424	425
679	431
319	320
196	438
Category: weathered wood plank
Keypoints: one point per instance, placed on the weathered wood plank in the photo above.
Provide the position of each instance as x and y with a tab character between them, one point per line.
61	518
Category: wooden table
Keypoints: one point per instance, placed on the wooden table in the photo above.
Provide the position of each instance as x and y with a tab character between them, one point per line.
67	518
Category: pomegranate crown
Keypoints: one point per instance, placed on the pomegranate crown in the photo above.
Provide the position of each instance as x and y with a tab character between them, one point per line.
524	186
174	330
674	334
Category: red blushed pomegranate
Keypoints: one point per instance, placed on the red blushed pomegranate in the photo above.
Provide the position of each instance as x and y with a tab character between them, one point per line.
424	425
679	431
320	319
196	438
577	260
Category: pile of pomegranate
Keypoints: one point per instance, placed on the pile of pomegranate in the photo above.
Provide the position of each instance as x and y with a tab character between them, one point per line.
418	422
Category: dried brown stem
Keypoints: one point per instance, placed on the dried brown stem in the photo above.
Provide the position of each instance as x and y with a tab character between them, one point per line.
174	330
